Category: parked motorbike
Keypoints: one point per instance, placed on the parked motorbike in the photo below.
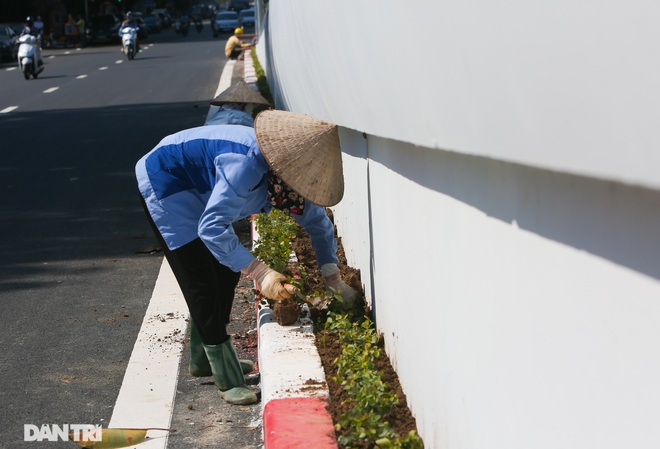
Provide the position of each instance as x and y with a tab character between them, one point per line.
129	41
29	57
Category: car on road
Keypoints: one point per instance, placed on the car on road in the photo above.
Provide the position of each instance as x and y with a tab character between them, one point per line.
152	23
165	17
8	43
239	5
17	27
103	29
246	17
225	21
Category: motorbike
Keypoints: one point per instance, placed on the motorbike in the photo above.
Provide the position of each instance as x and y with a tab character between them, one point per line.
129	41
29	60
198	23
181	26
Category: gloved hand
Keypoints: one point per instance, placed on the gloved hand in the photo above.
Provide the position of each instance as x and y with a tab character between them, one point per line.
269	282
334	284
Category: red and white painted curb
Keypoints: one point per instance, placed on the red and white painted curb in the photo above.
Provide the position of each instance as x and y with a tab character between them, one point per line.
249	72
294	393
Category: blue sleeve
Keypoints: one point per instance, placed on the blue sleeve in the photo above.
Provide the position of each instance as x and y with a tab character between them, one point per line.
321	231
236	176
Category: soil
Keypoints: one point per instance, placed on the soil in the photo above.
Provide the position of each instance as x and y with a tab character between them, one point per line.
329	348
286	312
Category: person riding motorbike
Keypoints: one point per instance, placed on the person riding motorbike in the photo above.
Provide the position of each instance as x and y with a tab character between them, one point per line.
39	27
197	21
30	29
131	21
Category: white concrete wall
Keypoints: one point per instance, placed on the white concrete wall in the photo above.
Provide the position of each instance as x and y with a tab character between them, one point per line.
503	205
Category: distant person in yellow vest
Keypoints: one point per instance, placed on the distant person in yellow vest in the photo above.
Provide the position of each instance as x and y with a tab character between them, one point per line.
80	25
234	48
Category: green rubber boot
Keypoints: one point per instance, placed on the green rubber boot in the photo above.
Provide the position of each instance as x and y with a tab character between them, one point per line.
199	364
227	374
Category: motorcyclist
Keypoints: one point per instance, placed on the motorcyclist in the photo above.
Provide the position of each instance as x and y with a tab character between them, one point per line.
39	27
131	21
30	29
183	23
197	21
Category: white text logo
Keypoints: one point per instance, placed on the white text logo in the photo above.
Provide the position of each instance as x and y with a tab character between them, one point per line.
56	432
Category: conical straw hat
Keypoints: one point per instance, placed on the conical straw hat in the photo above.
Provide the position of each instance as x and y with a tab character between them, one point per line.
304	152
239	92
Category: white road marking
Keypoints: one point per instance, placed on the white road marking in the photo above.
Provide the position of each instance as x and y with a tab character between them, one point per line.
79	77
225	82
103	68
8	109
51	90
11	68
119	61
146	397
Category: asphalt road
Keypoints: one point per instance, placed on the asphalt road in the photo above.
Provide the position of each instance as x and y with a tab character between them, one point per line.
74	280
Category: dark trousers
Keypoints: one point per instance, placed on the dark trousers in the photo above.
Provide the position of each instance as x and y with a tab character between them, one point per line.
207	286
235	53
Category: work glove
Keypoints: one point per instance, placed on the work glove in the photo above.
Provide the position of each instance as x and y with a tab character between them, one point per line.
269	282
335	285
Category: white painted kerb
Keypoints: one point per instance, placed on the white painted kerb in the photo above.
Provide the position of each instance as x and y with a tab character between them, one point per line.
146	398
288	360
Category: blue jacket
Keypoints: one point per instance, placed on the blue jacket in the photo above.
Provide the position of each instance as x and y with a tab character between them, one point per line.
197	182
223	116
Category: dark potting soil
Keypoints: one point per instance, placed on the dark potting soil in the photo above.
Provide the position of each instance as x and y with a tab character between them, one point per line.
286	312
400	418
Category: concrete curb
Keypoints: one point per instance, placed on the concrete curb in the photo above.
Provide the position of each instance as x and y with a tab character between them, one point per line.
249	73
294	393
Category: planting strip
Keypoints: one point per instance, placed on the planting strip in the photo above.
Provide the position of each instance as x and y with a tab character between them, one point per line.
294	393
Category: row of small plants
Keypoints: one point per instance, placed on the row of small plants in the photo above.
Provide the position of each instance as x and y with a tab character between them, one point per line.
367	394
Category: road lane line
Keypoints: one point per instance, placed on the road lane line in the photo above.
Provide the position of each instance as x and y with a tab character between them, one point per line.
51	90
103	68
79	77
119	61
11	68
146	397
225	82
8	109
